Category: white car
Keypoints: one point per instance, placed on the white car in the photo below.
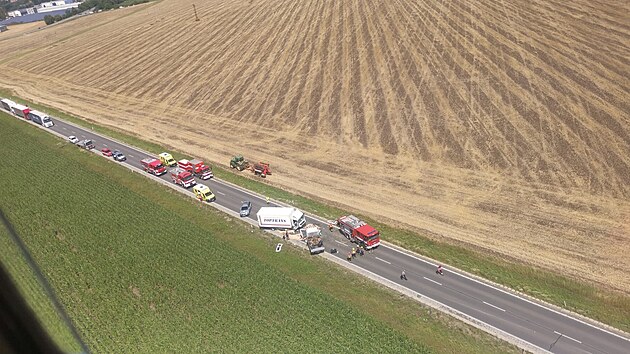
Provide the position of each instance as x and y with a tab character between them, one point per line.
73	139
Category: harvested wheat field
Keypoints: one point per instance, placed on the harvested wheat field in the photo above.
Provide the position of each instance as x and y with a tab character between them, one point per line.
21	28
499	124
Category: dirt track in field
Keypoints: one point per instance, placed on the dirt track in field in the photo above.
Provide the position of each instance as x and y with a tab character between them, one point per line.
499	124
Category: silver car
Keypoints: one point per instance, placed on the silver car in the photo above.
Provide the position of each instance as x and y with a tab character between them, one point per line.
246	208
119	156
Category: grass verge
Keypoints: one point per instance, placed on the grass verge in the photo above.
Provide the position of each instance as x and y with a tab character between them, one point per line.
140	268
604	305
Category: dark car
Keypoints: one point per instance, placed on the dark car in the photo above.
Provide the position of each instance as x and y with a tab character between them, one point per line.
246	208
118	156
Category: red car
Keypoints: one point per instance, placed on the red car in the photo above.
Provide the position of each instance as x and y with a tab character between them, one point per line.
106	152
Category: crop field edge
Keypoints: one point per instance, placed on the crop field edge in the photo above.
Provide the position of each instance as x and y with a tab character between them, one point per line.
609	307
402	310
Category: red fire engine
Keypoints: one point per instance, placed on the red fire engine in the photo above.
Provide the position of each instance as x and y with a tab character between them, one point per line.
196	167
359	231
153	166
182	177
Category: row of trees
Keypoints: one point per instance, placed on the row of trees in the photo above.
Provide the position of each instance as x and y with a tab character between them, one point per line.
50	19
108	4
92	4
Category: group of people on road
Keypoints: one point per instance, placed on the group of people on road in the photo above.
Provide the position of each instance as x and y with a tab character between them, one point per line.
403	275
353	253
439	270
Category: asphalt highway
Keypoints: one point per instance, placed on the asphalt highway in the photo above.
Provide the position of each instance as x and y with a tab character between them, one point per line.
523	318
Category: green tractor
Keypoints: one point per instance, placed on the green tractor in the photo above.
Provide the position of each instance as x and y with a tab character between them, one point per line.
239	163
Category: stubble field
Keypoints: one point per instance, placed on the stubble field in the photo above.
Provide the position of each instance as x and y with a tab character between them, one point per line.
502	125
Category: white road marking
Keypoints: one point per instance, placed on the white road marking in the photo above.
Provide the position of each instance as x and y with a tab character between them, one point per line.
64	128
433	281
382	260
496	307
339	242
105	145
565	336
220	193
491	286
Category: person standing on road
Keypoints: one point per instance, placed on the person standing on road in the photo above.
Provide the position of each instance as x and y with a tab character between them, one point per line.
403	275
267	200
440	270
354	252
349	257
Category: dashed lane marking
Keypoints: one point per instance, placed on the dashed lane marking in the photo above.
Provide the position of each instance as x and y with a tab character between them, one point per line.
382	260
432	281
496	307
565	336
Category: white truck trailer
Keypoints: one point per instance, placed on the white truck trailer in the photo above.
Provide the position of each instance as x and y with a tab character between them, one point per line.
7	104
280	218
21	111
40	118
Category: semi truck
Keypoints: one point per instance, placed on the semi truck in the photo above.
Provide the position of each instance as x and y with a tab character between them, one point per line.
167	159
280	218
182	177
312	235
21	111
7	104
153	166
196	167
40	118
203	193
359	231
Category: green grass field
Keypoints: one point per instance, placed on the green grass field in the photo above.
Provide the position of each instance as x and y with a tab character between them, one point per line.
603	305
141	268
34	293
